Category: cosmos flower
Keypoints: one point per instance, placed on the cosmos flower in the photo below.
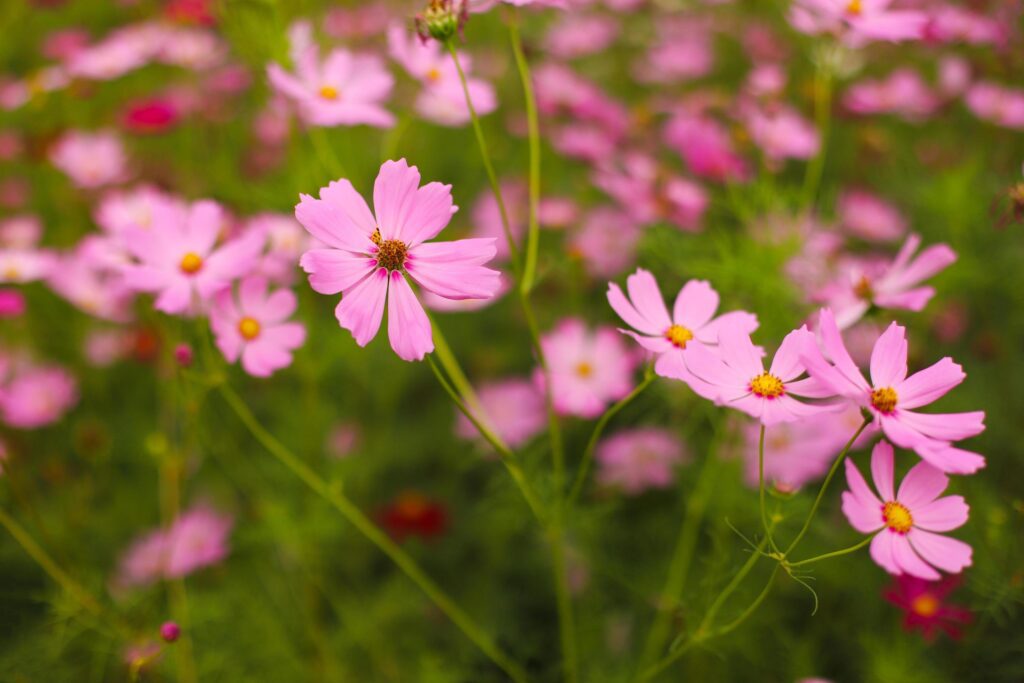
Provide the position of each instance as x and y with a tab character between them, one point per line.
869	217
512	408
34	396
905	522
606	241
368	258
858	21
12	303
925	607
253	326
890	396
706	147
781	133
903	93
636	460
19	266
86	278
413	514
588	368
91	160
649	194
997	104
692	322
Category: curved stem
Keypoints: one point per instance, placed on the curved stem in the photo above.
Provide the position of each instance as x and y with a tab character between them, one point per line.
834	553
737	579
372	533
488	165
533	129
824	486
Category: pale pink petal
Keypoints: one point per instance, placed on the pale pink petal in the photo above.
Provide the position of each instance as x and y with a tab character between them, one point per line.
644	293
882	552
860	490
331	225
362	308
739	352
653	344
846	378
176	298
204	223
951	459
910	300
922	485
343	198
739	319
944	514
695	304
929	262
288	336
709	368
929	384
284	82
948	554
889	357
251	293
786	365
882	470
335	270
394	196
432	210
277	307
621	305
408	326
908	561
865	519
945	427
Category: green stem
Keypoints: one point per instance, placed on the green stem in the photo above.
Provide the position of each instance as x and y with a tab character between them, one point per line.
834	553
372	533
760	488
451	365
822	111
735	623
588	453
488	166
682	559
533	128
563	601
170	497
731	587
824	485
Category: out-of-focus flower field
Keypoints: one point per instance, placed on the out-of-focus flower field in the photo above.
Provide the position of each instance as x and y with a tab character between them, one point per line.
511	340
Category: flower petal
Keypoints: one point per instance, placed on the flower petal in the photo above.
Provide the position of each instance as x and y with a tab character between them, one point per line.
944	514
909	562
394	197
646	297
408	326
948	554
335	270
922	485
889	357
696	302
882	470
362	308
929	384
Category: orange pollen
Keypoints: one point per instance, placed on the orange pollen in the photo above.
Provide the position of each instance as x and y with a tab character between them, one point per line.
678	335
11	272
855	8
584	369
329	92
391	254
884	400
249	328
897	517
434	75
864	290
767	386
925	605
191	263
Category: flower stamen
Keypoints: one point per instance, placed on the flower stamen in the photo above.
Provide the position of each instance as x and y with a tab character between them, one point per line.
678	335
249	328
391	254
329	92
191	263
897	517
884	400
767	386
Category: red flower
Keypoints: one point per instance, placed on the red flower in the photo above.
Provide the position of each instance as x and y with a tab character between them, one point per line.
925	608
151	116
413	514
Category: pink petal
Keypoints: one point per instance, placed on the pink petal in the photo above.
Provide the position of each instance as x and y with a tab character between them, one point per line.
944	514
882	470
277	307
653	344
948	554
709	368
394	197
335	270
204	223
284	82
251	293
331	225
621	305
408	326
362	308
945	426
695	304
646	297
908	561
922	485
432	210
739	352
786	365
867	503
882	552
260	359
950	458
844	377
929	384
176	298
864	518
740	319
910	300
889	357
452	269
929	262
349	204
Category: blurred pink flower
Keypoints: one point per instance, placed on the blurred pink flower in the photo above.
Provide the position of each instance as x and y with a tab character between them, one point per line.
368	257
91	160
925	607
858	21
557	212
950	23
119	52
343	439
25	265
606	241
85	279
286	242
577	35
890	397
903	93
20	232
122	210
588	368
34	396
997	104
638	459
12	303
650	194
196	539
346	89
905	522
64	44
870	217
253	326
706	147
781	133
151	116
512	408
683	50
487	217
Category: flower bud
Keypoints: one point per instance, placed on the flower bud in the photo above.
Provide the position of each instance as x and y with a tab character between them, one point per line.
170	631
441	19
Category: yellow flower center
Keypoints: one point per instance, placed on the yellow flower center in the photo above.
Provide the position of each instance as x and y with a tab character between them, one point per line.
329	92
249	328
11	272
434	75
584	369
884	400
767	386
678	335
897	517
391	254
855	8
191	263
864	290
925	605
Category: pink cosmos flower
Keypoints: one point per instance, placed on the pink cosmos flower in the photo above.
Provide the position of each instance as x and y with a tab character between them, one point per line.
639	459
588	369
997	104
119	211
252	326
865	283
606	241
25	265
150	116
512	408
706	147
891	396
12	303
560	90
118	53
368	257
441	99
781	133
343	440
86	279
286	242
346	89
737	378
179	258
91	160
643	189
903	93
683	51
925	607
64	44
905	522
692	322
20	232
577	35
951	23
858	21
36	395
870	217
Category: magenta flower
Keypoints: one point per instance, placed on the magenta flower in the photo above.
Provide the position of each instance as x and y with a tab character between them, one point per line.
891	395
925	606
512	408
692	322
588	369
737	378
35	395
905	522
650	194
706	147
639	459
368	258
253	326
180	261
346	89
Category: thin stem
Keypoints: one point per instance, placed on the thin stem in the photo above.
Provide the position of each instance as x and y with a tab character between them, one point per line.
834	553
822	111
733	584
508	458
682	558
732	625
372	533
533	129
488	166
451	365
824	485
566	621
588	453
170	498
760	488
